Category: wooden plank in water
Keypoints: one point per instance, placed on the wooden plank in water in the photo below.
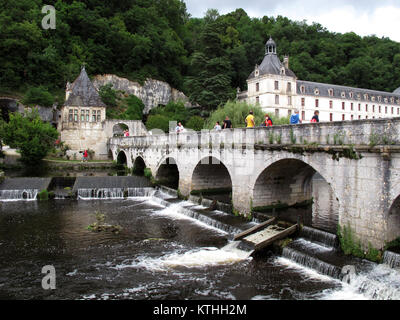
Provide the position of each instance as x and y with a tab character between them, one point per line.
276	237
254	229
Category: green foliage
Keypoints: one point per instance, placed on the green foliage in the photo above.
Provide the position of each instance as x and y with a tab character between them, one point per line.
293	138
108	95
195	123
158	121
147	173
207	58
38	96
43	195
237	113
30	135
352	246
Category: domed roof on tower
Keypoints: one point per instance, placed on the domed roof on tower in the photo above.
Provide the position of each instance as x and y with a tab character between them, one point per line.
271	63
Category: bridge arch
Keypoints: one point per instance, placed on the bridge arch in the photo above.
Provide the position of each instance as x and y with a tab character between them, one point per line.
119	128
393	221
138	166
211	175
122	158
167	173
293	182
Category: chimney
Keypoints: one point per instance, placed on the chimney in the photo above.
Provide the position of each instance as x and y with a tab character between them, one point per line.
286	62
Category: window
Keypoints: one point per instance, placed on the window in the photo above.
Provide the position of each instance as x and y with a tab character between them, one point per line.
71	115
379	98
352	117
366	97
343	117
98	115
331	117
303	102
257	87
359	117
289	87
366	108
352	106
277	113
276	85
373	108
76	115
289	100
276	99
380	109
351	94
302	89
257	100
316	91
359	107
392	110
93	115
343	105
366	117
303	115
343	94
87	116
330	91
386	110
316	103
82	115
330	104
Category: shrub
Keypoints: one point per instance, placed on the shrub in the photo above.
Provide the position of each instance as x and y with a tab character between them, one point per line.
43	195
195	123
158	121
237	113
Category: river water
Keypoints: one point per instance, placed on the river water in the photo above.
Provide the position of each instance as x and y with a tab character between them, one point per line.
161	253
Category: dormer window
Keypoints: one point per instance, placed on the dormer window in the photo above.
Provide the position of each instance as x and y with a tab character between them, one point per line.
351	94
257	73
373	98
316	91
358	96
302	89
386	100
366	97
330	91
343	94
380	99
283	71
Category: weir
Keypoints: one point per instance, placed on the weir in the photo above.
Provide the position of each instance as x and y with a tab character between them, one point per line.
14	189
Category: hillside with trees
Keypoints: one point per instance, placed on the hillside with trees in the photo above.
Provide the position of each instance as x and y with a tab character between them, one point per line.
206	58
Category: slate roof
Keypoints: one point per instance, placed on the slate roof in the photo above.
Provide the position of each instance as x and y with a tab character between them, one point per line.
83	93
271	63
358	94
397	91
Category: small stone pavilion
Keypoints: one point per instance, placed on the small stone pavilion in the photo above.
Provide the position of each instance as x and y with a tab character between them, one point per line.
82	121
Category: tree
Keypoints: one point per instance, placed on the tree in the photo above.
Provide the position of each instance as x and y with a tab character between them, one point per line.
38	96
32	137
134	109
195	123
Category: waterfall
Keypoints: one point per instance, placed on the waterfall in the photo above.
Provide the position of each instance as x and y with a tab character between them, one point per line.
114	193
325	238
311	262
392	259
18	195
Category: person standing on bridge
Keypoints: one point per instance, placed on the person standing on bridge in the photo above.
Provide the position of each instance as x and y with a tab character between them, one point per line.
217	126
179	128
227	123
295	118
250	120
315	119
268	121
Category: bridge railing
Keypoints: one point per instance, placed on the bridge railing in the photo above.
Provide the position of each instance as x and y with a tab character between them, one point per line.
364	132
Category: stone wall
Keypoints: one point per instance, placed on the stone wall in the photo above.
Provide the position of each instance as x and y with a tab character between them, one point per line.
152	92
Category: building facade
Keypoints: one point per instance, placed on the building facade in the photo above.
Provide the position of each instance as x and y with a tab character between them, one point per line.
277	90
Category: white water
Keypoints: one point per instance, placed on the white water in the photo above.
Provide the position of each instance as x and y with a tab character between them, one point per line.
114	193
18	195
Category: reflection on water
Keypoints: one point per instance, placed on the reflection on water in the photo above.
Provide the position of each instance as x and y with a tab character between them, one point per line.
325	207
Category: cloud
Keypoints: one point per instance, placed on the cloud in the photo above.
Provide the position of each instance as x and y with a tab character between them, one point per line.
366	17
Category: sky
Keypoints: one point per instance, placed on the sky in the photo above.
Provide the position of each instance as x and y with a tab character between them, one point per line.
364	17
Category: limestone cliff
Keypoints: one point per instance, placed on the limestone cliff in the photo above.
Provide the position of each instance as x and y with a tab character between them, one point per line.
152	93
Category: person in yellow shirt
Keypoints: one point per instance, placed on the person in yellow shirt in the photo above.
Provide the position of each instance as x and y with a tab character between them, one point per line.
250	120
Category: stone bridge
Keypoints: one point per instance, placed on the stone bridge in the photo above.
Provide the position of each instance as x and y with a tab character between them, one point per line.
359	160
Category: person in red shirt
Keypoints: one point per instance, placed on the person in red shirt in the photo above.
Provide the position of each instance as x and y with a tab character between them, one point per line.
315	119
85	155
268	121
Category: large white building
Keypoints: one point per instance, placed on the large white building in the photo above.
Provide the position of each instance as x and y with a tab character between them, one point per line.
277	90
